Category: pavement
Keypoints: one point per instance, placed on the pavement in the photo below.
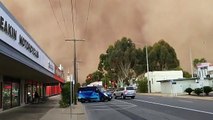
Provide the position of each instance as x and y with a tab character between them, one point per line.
48	110
75	112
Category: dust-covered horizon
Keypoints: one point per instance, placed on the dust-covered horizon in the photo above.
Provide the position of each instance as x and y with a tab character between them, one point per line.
183	24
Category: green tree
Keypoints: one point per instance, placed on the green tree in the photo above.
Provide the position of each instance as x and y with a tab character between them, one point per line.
162	57
105	81
119	60
198	61
185	73
95	76
140	64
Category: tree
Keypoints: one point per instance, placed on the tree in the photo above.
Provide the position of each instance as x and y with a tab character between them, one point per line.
197	61
162	57
122	61
185	73
95	76
119	60
105	81
140	64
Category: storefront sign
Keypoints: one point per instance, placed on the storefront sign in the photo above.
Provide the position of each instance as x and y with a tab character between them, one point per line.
13	34
7	28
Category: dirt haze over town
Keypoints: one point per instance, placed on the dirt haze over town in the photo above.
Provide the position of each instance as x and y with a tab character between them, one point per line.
183	24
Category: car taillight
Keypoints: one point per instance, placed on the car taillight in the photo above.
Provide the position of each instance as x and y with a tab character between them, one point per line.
125	92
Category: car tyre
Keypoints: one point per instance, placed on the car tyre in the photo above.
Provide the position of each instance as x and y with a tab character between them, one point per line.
133	97
123	97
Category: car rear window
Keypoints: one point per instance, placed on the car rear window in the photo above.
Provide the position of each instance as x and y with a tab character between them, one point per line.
129	88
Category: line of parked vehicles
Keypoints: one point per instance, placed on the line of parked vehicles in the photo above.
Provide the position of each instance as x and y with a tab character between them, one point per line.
98	93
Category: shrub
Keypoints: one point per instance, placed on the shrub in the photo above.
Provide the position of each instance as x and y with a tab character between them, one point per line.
65	95
142	86
188	90
63	104
198	91
207	90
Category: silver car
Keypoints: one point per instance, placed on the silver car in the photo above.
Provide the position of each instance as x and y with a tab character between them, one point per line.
124	92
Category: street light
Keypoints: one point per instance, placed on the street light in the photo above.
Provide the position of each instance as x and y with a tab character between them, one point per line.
75	73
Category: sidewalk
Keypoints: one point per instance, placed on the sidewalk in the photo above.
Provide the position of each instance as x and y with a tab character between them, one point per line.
201	97
78	113
48	110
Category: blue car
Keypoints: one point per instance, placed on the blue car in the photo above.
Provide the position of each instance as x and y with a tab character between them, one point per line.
91	94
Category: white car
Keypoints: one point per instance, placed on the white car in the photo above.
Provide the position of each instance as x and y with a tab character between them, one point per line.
124	92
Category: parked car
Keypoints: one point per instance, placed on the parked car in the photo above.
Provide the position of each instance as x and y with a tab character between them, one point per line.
91	94
124	92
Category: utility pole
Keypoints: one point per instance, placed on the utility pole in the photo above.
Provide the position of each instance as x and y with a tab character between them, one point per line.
191	62
75	72
147	68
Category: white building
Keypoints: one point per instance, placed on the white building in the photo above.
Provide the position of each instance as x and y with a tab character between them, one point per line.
204	70
155	76
177	86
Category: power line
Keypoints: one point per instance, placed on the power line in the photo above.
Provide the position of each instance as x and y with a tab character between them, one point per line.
56	18
63	16
87	18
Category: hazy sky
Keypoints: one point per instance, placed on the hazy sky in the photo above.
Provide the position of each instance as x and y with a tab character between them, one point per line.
182	23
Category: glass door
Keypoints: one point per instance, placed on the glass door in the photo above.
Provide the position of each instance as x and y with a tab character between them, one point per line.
15	94
7	90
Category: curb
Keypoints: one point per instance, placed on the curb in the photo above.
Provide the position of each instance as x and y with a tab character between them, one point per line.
185	96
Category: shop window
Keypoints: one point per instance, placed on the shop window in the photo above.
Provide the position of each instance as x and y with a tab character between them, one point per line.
7	90
10	93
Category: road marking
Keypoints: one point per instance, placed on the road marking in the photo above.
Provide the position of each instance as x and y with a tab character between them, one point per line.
189	109
186	101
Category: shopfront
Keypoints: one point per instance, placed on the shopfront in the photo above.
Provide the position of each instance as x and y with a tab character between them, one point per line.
24	67
30	88
10	92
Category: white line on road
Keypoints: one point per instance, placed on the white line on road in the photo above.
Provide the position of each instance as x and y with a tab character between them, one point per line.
200	111
186	101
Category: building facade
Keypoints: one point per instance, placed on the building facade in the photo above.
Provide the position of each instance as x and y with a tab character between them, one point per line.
204	77
24	66
154	76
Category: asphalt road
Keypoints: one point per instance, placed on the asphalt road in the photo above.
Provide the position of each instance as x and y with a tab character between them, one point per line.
150	108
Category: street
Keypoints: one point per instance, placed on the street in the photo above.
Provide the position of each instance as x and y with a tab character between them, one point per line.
150	108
